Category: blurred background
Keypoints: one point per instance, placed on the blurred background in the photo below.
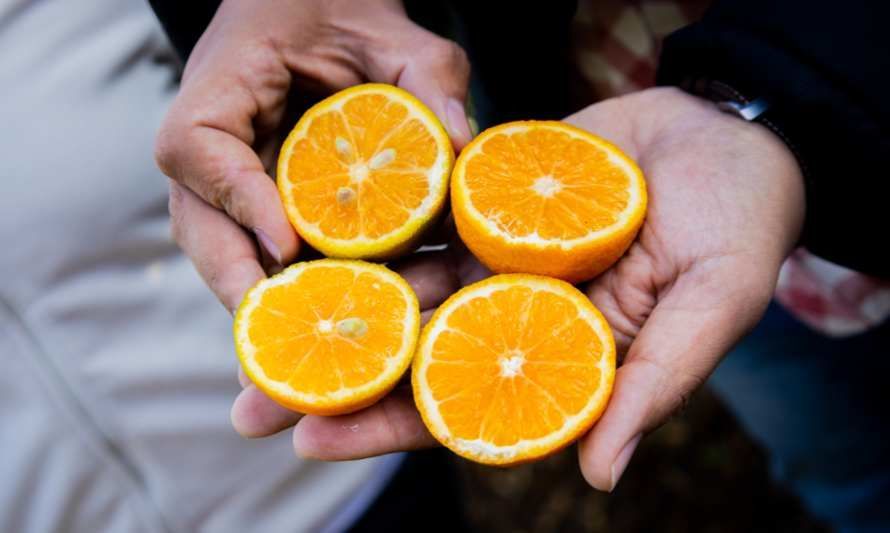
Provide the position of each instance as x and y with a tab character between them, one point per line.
698	473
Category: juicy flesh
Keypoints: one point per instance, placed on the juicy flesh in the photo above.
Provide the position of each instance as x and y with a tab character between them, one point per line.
513	365
362	170
330	329
546	183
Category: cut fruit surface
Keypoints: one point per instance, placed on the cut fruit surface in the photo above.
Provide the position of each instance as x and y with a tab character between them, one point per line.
364	172
513	368
546	198
329	336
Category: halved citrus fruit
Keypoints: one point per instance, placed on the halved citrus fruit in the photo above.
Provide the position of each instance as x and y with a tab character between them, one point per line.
513	368
365	172
329	336
546	198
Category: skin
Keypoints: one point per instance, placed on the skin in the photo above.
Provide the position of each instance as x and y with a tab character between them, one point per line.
726	207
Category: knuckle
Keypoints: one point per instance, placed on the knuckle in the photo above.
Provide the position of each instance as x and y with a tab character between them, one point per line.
262	66
447	53
224	192
238	193
165	150
176	210
173	142
459	56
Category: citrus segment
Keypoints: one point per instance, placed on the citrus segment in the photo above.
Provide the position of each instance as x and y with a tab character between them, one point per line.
513	368
364	172
546	198
327	336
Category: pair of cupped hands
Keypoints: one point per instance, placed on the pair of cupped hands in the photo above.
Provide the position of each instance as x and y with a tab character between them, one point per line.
726	206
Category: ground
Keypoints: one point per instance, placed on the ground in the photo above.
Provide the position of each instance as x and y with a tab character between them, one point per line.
698	473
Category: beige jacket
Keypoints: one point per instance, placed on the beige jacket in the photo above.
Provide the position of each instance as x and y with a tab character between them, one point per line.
116	363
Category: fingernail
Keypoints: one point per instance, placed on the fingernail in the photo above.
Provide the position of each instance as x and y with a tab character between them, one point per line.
243	380
268	245
620	463
456	119
474	127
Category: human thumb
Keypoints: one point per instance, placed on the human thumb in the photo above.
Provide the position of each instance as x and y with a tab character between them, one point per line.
433	69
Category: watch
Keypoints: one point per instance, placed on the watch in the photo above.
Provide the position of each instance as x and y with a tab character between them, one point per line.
749	111
731	101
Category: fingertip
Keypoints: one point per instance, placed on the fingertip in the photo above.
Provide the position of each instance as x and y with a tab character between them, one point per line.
256	415
239	421
457	123
605	451
619	465
305	439
288	243
268	246
234	280
600	469
438	74
277	239
243	380
596	470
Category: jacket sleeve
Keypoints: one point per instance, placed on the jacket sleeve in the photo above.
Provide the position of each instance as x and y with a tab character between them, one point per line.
824	67
184	22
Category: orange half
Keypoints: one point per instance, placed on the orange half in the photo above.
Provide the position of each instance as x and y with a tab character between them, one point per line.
513	368
546	198
365	172
329	336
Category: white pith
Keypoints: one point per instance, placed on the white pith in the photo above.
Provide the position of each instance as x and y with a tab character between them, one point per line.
511	366
546	186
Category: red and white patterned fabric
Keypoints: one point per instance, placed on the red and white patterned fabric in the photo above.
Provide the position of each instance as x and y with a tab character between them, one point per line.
617	42
830	298
616	48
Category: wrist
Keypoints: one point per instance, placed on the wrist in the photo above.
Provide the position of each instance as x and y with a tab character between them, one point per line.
746	157
783	183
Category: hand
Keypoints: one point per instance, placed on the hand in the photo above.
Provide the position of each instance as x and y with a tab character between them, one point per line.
220	132
726	207
233	96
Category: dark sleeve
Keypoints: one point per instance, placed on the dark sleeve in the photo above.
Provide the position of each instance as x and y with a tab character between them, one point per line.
184	21
521	78
824	67
500	65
